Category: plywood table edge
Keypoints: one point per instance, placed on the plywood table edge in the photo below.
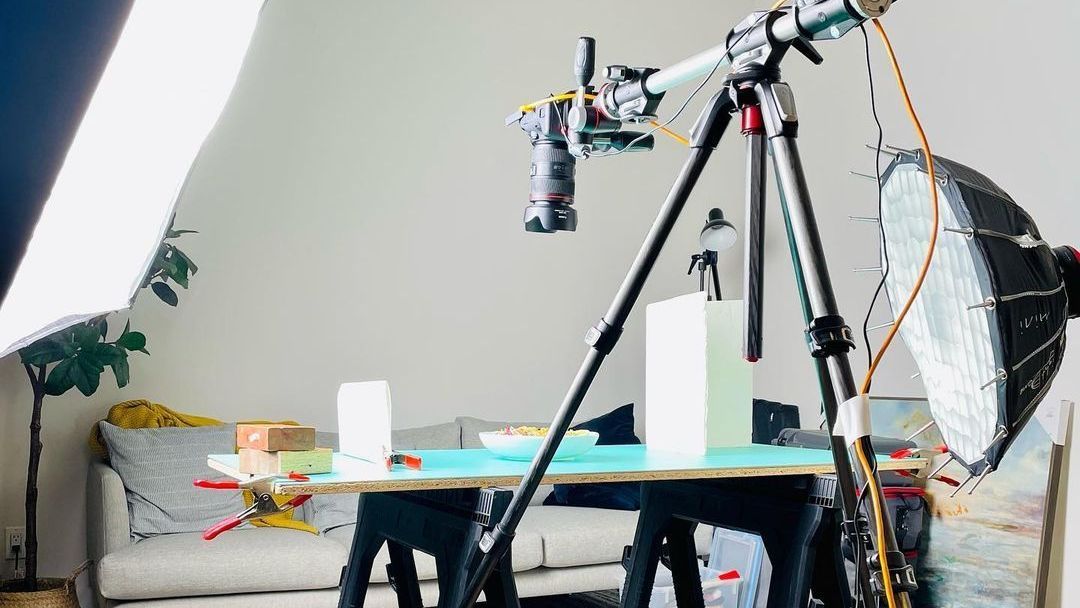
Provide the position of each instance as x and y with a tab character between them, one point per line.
286	488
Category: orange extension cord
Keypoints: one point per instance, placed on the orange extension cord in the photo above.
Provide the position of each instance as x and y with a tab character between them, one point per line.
890	595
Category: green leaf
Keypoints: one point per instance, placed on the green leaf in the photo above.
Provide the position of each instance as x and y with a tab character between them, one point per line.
180	275
42	352
86	381
86	336
183	256
59	379
166	293
143	350
103	327
89	363
172	234
166	265
132	340
121	371
108	353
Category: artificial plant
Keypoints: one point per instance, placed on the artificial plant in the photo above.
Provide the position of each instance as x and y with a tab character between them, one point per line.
76	357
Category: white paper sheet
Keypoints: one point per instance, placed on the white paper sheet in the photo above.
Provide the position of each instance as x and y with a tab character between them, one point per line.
364	419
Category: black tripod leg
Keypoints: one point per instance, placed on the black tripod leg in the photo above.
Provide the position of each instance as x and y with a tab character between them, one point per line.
602	337
754	276
830	337
645	552
830	583
402	573
365	546
684	565
500	591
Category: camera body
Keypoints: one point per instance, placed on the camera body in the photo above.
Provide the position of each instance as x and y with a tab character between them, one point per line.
562	129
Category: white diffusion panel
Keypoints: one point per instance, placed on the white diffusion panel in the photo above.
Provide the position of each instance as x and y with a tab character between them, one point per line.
169	76
950	343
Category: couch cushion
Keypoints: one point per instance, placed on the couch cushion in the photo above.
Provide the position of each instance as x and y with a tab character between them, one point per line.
239	561
157	466
528	553
579	536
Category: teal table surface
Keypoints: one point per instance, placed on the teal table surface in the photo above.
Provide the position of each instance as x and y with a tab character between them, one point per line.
477	468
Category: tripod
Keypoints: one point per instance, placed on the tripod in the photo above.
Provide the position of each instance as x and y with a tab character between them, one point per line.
769	118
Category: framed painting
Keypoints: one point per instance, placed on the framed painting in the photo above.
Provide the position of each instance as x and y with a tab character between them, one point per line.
989	548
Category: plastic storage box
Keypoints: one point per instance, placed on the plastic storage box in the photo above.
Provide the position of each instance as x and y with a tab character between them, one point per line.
719	589
745	553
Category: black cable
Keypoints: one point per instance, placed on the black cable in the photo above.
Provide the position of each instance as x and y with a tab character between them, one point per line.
881	228
860	554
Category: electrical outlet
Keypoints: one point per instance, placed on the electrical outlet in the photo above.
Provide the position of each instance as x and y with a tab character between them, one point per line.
14	537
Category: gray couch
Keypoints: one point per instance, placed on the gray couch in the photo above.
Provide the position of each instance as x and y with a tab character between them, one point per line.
557	549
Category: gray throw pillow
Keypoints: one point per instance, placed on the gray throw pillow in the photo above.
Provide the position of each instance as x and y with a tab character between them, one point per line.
158	466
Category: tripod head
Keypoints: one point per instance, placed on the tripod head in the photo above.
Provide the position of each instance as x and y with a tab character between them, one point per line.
588	121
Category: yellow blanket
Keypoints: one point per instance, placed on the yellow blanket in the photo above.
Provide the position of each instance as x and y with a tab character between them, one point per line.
142	414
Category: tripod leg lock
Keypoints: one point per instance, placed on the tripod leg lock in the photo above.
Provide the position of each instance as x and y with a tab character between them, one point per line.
603	337
901	573
495	537
829	336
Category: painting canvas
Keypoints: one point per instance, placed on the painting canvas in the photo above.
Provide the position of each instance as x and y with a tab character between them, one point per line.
981	549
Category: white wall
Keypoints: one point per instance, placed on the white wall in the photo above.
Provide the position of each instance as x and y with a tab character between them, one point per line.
360	214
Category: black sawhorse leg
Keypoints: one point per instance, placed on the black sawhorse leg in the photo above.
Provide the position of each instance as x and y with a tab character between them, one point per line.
446	524
801	537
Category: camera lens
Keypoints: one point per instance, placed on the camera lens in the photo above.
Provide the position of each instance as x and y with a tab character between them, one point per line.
551	188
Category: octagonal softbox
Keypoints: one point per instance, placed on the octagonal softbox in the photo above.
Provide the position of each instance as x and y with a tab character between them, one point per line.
988	329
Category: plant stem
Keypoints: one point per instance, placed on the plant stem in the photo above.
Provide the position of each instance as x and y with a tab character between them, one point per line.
37	383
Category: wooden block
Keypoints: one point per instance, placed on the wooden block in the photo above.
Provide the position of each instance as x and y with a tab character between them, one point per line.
283	462
275	437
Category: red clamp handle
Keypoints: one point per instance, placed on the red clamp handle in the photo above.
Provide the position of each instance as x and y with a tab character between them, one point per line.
296	501
217	485
223	525
908	452
409	461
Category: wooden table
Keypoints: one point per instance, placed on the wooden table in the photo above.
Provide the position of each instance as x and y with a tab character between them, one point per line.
478	468
444	508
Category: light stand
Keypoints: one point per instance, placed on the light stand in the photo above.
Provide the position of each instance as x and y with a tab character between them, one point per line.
769	113
706	266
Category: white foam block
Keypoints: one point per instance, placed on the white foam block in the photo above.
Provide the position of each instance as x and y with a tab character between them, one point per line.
699	390
364	419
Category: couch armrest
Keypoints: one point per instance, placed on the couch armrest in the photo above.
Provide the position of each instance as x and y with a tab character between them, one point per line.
107	525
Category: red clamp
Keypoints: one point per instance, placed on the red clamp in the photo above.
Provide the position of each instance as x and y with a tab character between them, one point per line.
263	504
409	461
919	452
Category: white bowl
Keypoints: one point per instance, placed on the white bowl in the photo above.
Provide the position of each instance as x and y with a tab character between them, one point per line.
524	447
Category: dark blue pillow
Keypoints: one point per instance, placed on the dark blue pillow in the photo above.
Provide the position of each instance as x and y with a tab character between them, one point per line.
615	428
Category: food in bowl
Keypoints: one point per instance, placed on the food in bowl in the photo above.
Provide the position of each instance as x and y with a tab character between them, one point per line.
538	431
522	442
